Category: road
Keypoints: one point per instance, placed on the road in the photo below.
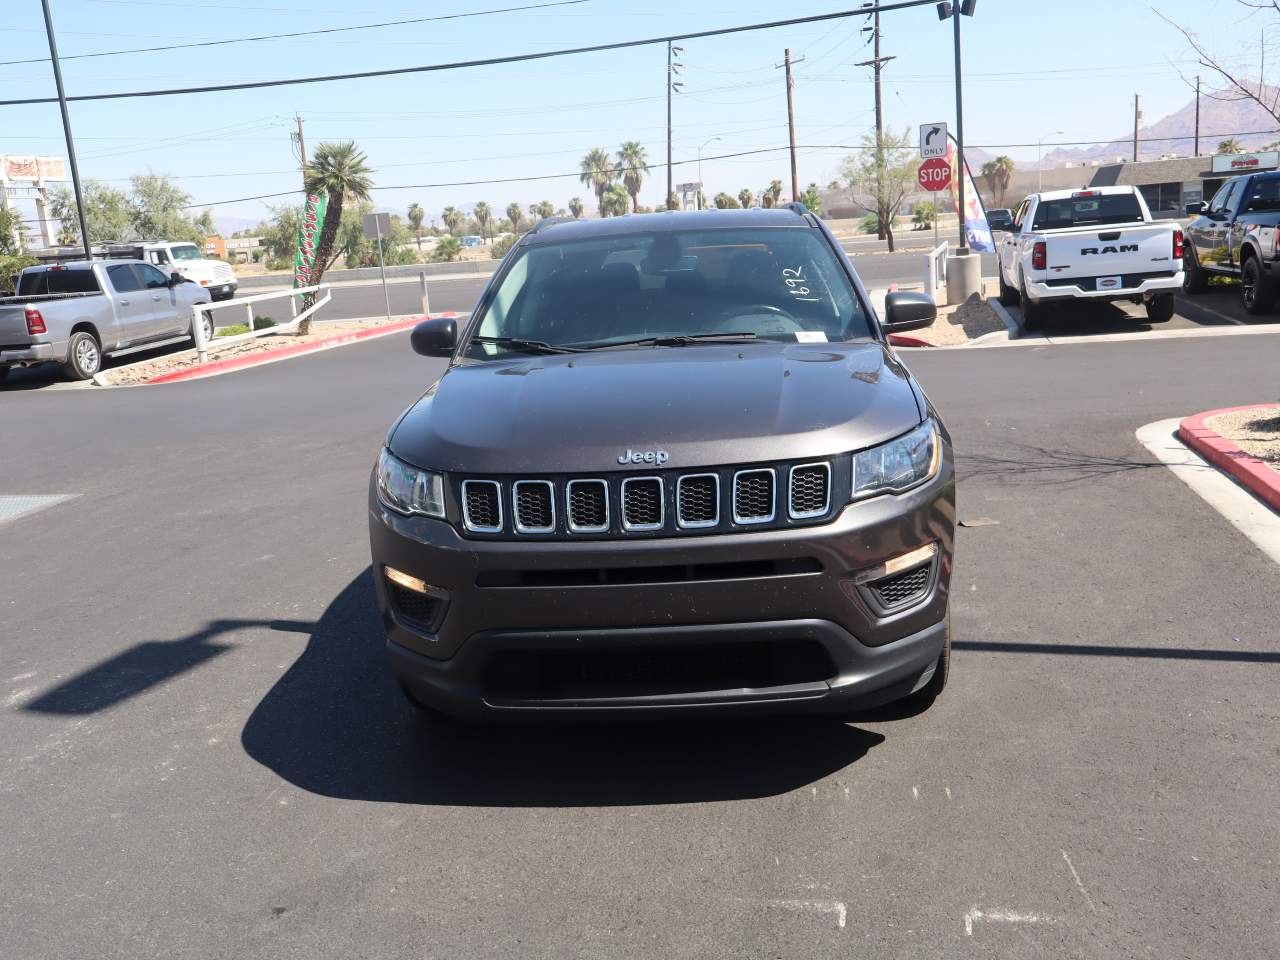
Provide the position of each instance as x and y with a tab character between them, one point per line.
205	757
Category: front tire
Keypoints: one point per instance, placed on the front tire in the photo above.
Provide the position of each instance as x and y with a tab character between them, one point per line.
1256	295
1160	308
84	356
1008	295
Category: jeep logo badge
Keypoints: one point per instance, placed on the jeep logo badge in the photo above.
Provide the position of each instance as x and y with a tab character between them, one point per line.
644	456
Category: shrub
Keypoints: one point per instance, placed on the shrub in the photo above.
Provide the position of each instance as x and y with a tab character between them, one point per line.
500	247
10	267
871	223
449	248
924	217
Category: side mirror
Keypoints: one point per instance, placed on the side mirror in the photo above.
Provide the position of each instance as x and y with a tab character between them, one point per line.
1197	208
435	338
908	310
176	278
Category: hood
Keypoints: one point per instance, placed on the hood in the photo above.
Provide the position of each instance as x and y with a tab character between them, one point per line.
705	405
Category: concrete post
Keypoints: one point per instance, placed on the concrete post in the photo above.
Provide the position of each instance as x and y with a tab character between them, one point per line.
964	276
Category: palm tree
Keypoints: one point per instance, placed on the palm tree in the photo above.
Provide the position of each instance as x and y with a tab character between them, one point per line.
544	209
576	208
615	201
416	216
998	173
484	216
746	198
770	195
341	171
1230	145
597	173
514	214
453	219
632	162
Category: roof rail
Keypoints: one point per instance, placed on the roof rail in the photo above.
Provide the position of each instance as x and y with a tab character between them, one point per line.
795	206
550	222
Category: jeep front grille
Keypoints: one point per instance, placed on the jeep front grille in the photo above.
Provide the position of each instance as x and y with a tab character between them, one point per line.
588	506
698	500
810	490
535	506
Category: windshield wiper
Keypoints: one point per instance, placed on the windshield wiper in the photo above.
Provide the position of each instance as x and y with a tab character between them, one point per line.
679	340
527	346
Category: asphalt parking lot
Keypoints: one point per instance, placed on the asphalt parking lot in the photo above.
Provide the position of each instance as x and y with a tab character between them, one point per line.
203	754
1218	308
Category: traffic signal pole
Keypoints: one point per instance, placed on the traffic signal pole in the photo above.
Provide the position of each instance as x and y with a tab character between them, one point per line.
66	129
955	17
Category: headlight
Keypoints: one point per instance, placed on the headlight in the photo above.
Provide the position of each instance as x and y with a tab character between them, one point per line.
899	464
407	489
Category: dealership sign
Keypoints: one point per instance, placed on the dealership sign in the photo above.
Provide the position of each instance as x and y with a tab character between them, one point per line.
32	168
304	258
1246	162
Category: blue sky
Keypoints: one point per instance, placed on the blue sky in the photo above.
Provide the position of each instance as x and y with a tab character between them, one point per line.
1032	66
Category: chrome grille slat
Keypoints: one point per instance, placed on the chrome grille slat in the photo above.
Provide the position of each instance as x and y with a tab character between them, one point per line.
809	490
482	506
754	495
698	500
587	506
533	504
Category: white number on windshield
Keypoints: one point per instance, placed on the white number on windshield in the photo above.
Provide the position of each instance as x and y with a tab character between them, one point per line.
797	286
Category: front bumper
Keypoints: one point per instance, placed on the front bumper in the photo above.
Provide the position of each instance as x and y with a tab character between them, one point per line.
221	291
463	663
1043	292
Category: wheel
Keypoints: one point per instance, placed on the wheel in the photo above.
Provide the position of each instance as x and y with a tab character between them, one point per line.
1194	280
84	356
4	374
1256	295
1160	308
1032	312
1008	295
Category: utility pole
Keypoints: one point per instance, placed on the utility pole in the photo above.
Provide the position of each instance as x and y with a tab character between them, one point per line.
1197	153
302	151
66	129
791	126
1137	115
955	18
673	86
876	63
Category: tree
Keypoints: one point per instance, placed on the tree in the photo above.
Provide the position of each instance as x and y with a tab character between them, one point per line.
449	248
998	173
812	199
339	170
514	214
881	175
157	210
1230	145
11	232
632	162
615	202
576	208
543	209
106	210
926	213
770	195
484	217
453	219
416	216
1232	69
724	201
746	199
597	173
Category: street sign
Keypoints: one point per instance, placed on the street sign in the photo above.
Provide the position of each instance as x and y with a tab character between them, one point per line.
934	174
377	225
933	140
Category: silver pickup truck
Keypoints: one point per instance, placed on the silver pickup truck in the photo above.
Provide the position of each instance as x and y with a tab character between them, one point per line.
77	313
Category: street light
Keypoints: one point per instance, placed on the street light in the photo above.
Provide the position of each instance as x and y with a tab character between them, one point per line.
1039	170
700	149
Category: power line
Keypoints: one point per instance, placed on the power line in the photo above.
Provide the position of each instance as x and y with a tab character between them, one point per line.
487	62
303	33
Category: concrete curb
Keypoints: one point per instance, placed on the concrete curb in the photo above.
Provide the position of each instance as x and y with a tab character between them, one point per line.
216	367
1012	325
1248	470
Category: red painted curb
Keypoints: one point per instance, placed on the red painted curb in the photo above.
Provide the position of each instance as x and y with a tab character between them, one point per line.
1225	455
269	356
906	340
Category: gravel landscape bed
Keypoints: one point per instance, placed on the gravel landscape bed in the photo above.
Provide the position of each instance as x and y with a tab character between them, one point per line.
1256	431
960	324
141	372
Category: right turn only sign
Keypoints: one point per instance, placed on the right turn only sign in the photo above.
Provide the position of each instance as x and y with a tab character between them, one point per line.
933	140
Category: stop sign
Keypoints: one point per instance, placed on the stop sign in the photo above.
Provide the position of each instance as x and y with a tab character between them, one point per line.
934	174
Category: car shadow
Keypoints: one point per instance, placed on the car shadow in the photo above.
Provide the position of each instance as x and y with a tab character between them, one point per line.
336	725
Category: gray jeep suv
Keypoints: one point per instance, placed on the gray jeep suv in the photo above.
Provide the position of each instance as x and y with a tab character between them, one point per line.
672	463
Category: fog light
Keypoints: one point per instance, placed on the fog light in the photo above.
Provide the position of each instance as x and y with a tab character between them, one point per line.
403	579
897	564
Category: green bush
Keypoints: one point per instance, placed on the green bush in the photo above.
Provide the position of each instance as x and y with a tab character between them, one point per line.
259	323
448	248
871	223
10	267
925	216
500	247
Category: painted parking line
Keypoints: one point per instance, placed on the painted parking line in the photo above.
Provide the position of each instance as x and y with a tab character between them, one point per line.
14	506
1239	507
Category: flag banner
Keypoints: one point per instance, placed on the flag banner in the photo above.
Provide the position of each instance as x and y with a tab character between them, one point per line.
977	231
304	259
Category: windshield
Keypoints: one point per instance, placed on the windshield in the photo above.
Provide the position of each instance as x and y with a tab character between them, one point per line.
186	251
776	283
1083	211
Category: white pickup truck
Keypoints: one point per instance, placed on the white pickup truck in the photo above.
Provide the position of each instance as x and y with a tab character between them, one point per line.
1094	244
